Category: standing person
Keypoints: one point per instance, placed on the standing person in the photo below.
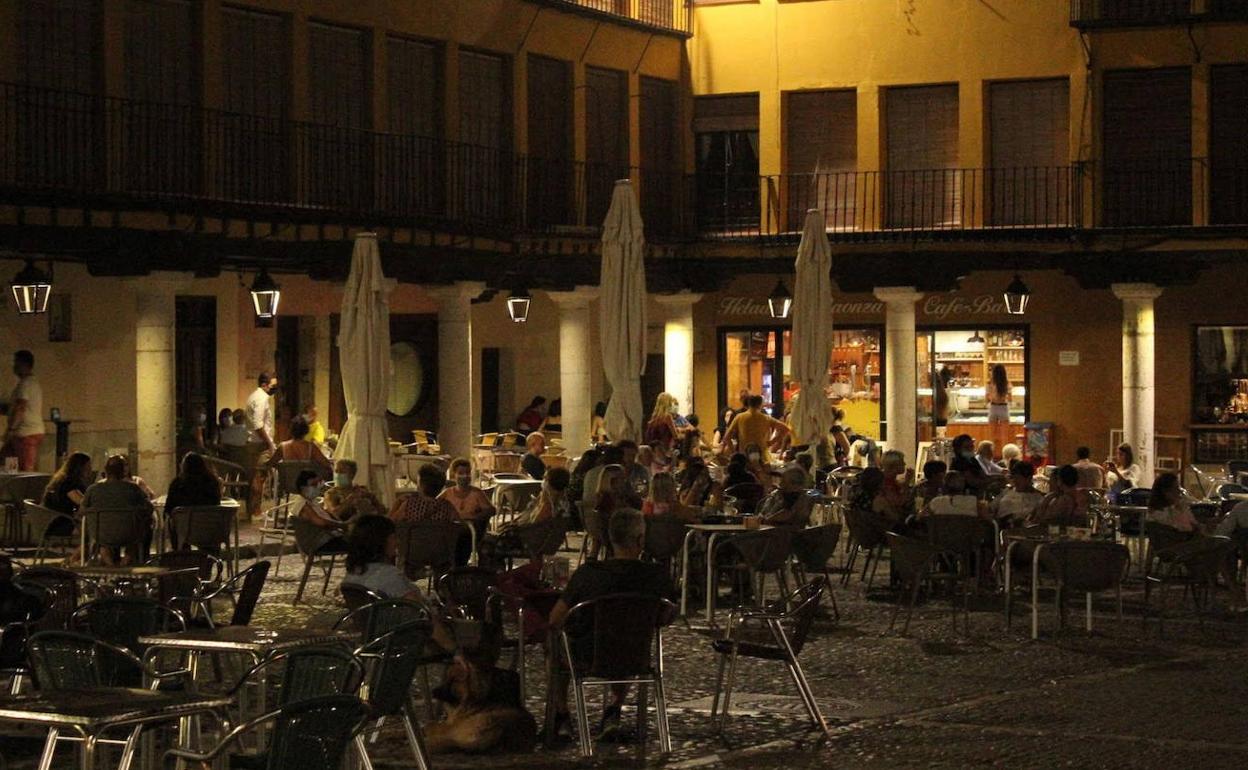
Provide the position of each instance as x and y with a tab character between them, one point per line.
940	398
531	463
1091	474
661	432
999	391
598	424
25	410
316	431
260	435
725	419
554	418
754	427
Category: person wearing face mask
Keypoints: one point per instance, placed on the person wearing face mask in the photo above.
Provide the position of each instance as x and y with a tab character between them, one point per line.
345	500
471	503
260	438
308	505
789	505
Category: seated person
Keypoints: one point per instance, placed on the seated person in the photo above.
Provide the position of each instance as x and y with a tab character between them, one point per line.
1016	504
1167	506
552	501
933	480
624	572
696	488
1064	502
307	506
868	496
300	448
346	500
1123	473
953	500
235	433
790	504
1010	453
195	484
738	471
425	505
966	462
1091	474
984	454
117	492
531	463
664	500
470	502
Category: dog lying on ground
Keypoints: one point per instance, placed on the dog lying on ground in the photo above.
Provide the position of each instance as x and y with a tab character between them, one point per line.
483	712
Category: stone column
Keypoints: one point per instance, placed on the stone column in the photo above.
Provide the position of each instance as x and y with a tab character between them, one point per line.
1138	390
321	372
576	361
678	346
155	380
456	427
901	407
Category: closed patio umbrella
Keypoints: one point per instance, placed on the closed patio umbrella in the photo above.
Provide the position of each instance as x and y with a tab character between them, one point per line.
812	332
364	353
622	302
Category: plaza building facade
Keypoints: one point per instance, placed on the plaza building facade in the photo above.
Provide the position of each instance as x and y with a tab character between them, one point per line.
158	153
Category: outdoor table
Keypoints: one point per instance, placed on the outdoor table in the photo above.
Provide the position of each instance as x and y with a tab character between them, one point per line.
711	532
13	485
1038	543
137	573
92	712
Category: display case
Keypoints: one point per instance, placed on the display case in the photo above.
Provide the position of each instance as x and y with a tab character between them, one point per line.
969	355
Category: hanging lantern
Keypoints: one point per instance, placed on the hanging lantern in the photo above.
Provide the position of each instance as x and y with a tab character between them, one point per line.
1016	296
31	289
975	338
265	294
518	306
780	303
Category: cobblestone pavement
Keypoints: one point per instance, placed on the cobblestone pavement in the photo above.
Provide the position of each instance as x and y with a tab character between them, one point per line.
1122	696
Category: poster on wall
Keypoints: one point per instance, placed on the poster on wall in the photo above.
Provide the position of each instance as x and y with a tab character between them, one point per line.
60	318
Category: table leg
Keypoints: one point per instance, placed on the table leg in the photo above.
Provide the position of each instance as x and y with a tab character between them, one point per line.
710	579
49	747
127	753
1009	581
1035	592
684	574
88	752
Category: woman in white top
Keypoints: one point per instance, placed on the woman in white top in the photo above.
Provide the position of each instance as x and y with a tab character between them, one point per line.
371	550
1167	506
1123	472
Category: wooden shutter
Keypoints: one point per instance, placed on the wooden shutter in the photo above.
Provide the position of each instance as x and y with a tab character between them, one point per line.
606	138
483	100
660	161
821	156
160	51
550	103
338	76
60	43
921	140
414	87
1147	146
1029	177
715	114
256	62
1228	150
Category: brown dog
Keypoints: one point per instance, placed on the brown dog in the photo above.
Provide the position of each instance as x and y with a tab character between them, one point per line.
483	712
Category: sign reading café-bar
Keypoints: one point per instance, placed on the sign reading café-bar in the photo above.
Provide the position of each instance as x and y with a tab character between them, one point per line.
936	307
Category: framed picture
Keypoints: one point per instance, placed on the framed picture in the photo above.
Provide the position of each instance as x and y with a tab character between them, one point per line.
60	318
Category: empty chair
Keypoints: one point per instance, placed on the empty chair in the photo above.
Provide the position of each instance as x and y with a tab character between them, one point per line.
393	659
306	734
309	672
208	573
764	553
241	591
276	522
512	499
783	635
532	541
622	643
49	528
233	477
812	549
665	539
121	620
65	660
1090	567
67	589
912	562
866	535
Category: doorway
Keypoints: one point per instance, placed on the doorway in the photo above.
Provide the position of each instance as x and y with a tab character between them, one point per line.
413	399
195	366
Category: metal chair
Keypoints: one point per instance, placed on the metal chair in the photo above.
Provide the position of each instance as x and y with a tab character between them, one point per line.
288	472
511	499
65	660
208	576
618	640
207	527
316	544
665	539
812	549
1193	563
764	553
276	522
1089	567
533	541
747	496
427	544
356	597
866	535
912	562
43	522
242	591
307	673
121	620
473	593
233	477
306	734
115	528
784	635
66	588
393	659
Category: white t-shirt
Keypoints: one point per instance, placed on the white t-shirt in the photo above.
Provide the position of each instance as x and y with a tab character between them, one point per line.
954	505
259	415
1017	505
28	390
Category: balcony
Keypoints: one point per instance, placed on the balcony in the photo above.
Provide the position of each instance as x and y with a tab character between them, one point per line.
1094	14
672	16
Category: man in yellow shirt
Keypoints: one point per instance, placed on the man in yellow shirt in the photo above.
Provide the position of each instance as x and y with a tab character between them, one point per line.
753	426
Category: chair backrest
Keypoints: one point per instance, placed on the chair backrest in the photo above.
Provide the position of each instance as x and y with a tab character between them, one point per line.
313	672
866	531
468	590
665	537
64	586
377	619
288	474
247	586
814	546
209	572
1162	537
315	733
63	660
203	526
1234	468
355	596
911	557
121	620
428	544
765	550
1226	489
310	538
515	497
622	629
13	638
1086	565
803	605
398	653
115	527
959	535
40	517
1135	496
747	496
542	538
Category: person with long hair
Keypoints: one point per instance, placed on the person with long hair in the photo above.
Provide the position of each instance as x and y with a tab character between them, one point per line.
1167	506
1123	472
300	448
598	424
664	500
65	492
195	484
531	417
372	546
661	431
999	392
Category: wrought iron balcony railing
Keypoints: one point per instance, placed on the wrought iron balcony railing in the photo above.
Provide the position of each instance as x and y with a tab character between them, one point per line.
1149	13
665	15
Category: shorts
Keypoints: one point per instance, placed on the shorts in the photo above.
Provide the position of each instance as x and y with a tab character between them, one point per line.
998	413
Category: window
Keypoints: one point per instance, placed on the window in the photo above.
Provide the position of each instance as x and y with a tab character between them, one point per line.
549	162
1220	393
661	174
726	135
482	176
410	161
60	44
335	163
821	156
969	355
252	139
921	138
606	138
1228	152
1028	179
1147	146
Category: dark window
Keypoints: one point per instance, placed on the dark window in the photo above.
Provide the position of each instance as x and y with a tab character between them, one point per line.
726	133
1147	146
924	188
548	167
161	54
251	139
410	163
661	172
1228	150
1029	180
335	154
483	163
821	157
606	138
60	43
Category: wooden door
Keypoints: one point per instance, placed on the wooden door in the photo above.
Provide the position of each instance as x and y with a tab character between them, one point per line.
414	360
195	365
